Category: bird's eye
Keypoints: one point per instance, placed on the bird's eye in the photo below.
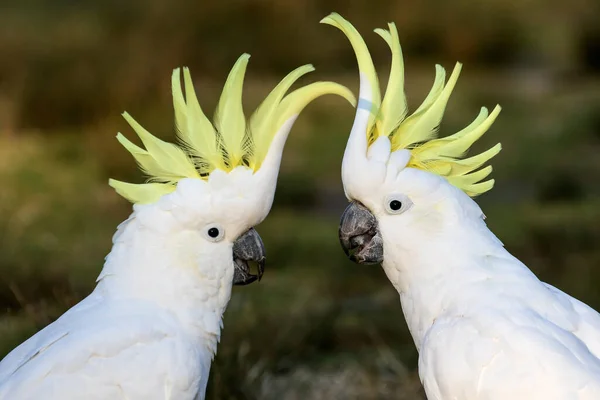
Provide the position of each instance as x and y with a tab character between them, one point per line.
214	232
397	204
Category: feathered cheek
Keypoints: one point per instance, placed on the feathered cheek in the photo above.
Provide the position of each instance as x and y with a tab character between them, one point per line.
429	222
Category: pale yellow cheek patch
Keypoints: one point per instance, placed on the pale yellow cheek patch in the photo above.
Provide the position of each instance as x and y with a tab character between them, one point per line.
429	222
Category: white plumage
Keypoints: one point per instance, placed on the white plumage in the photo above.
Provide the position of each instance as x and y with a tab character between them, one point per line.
485	326
150	328
148	331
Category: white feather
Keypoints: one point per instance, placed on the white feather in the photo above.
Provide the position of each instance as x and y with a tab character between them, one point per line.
150	328
485	326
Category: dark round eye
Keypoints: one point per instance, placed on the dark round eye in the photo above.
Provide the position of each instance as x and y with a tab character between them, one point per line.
213	232
395	205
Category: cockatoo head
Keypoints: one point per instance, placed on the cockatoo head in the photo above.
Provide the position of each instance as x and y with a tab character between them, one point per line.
210	191
404	183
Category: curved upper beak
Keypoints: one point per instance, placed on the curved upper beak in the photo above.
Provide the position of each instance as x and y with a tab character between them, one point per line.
359	235
248	247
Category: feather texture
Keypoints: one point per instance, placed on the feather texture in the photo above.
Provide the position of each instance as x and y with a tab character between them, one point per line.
294	103
424	124
229	116
418	132
194	129
263	123
224	144
365	65
144	193
164	161
394	106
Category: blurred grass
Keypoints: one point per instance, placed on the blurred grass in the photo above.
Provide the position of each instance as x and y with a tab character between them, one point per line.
317	326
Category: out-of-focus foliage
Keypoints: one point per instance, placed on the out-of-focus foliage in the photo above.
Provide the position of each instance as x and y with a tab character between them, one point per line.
317	326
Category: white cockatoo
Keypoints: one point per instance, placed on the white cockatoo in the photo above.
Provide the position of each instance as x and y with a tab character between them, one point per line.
485	326
150	328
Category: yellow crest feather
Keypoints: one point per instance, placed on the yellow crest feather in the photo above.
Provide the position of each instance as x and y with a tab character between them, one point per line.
278	110
394	106
262	122
294	103
229	116
224	144
418	132
194	129
422	126
144	193
164	161
365	62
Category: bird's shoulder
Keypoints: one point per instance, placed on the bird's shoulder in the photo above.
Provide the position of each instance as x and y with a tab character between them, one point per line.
494	353
586	324
104	347
47	336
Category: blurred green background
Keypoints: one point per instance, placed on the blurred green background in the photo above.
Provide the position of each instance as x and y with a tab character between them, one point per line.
317	326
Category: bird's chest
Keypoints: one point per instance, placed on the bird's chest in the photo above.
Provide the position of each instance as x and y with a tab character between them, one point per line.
452	356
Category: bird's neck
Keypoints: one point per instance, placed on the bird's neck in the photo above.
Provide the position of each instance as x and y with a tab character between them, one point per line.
433	276
156	265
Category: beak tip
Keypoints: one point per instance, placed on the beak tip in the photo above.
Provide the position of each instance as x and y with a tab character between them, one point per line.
248	247
261	268
359	235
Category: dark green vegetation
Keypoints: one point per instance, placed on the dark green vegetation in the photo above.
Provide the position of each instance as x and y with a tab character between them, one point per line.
317	326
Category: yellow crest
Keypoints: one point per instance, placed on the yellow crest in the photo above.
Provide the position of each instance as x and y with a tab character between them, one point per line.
419	131
228	143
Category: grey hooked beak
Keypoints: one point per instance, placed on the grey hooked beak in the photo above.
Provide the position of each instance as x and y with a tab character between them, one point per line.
359	235
248	247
